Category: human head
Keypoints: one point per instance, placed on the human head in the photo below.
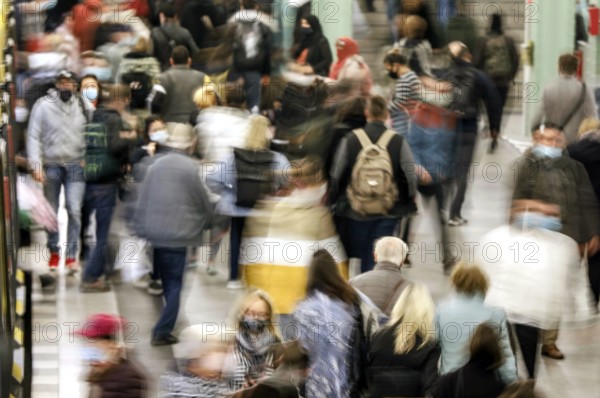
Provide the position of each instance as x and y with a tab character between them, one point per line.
390	249
346	47
324	276
257	305
307	172
351	109
180	56
249	5
90	88
411	6
66	80
394	62
154	124
377	109
568	64
549	134
235	95
95	63
536	206
101	333
484	347
116	96
181	136
141	46
206	96
312	22
416	310
414	27
469	279
257	139
496	24
587	125
167	13
459	50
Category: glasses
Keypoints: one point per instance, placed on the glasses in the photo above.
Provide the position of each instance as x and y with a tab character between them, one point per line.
259	315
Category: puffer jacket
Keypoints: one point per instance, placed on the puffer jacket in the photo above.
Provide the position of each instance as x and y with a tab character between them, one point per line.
55	133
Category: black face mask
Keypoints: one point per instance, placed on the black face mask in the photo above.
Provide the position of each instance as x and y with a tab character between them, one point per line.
65	95
306	31
393	75
254	325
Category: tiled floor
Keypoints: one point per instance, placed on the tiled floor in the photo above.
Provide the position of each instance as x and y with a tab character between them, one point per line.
205	299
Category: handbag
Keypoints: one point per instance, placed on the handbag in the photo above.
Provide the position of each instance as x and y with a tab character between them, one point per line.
575	108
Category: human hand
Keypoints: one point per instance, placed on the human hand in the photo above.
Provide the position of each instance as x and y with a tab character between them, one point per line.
38	175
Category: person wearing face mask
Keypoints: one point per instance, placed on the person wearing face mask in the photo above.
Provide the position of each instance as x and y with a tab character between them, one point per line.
350	65
96	64
55	151
89	89
251	356
407	89
122	40
536	276
312	54
110	372
547	173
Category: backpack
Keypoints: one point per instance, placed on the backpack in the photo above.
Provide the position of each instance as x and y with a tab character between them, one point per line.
248	46
37	88
465	99
140	84
372	189
253	176
98	160
497	62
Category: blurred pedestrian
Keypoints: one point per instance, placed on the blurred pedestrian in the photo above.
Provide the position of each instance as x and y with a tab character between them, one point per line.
351	66
312	54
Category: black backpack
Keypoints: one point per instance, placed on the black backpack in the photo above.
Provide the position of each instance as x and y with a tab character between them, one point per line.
140	84
465	95
249	46
253	176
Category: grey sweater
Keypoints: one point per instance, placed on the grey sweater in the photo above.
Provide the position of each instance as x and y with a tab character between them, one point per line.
173	208
55	132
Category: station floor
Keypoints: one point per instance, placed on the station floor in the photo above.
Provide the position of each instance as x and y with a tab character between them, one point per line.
58	370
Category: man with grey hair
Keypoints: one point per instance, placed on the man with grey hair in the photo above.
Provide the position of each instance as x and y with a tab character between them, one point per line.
172	212
384	284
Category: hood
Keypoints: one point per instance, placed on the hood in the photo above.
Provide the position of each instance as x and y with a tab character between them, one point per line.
350	48
251	16
314	23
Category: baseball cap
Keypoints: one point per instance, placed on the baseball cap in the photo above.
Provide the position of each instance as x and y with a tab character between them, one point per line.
65	74
101	325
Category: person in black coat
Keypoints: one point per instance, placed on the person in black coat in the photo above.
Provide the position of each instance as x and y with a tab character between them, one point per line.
477	379
403	355
312	54
585	150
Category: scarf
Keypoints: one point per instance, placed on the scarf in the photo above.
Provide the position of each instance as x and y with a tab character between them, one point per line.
349	48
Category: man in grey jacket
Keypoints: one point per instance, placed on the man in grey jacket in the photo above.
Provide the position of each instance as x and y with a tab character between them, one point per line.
566	101
55	150
172	212
385	283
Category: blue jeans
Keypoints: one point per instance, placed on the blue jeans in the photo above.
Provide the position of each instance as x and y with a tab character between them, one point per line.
69	175
170	263
252	87
363	234
102	199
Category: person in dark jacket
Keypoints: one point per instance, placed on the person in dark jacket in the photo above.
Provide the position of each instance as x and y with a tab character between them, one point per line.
102	183
403	355
169	35
312	54
585	150
477	379
191	17
478	87
420	8
365	230
111	373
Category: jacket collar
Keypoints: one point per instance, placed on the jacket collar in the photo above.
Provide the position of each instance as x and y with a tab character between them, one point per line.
473	297
386	266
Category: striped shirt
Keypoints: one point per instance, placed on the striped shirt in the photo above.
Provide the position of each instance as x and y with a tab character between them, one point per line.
407	90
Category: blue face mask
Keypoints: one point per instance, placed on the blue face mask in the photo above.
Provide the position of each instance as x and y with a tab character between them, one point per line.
545	151
93	354
128	41
90	93
102	73
529	220
159	136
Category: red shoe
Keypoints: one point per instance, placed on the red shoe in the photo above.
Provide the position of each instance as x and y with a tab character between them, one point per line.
72	265
54	259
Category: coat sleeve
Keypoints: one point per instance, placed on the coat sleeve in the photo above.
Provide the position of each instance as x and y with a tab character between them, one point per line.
338	170
326	57
430	373
508	370
407	163
34	132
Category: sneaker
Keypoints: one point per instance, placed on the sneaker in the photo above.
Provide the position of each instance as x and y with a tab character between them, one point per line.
47	281
72	265
144	281
155	288
236	285
164	340
448	267
53	262
98	286
456	222
407	263
211	270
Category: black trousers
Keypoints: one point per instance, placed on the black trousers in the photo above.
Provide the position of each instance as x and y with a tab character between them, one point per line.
528	337
594	275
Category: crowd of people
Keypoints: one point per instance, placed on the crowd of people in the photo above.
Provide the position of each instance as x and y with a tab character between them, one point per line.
196	123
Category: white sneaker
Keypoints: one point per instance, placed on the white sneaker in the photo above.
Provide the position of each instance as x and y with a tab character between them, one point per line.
236	285
143	282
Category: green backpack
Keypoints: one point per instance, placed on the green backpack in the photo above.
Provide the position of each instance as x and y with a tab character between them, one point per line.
99	162
497	62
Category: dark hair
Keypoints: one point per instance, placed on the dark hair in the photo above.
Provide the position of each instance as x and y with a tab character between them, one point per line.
484	347
496	26
568	64
351	108
249	4
180	55
148	122
314	23
325	277
395	57
547	125
377	107
235	95
168	10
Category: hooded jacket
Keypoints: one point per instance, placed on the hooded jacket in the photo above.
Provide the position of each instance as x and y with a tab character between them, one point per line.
55	133
319	53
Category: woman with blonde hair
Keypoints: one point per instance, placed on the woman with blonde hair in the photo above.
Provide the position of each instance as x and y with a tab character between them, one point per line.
251	355
403	356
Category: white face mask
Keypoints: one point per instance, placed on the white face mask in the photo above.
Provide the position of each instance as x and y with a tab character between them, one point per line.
21	114
159	136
